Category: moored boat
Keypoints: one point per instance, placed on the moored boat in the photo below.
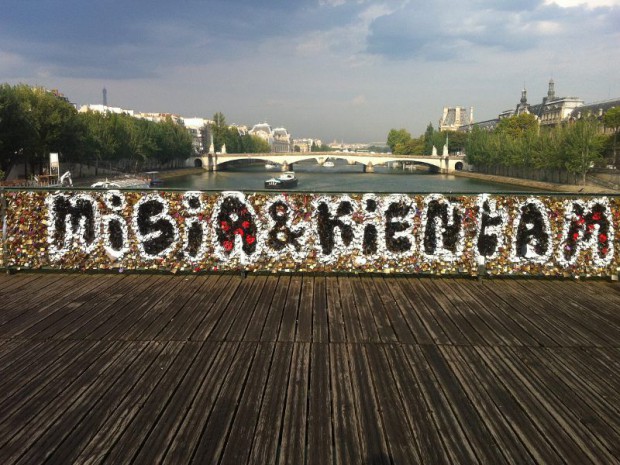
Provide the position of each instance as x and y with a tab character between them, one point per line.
284	181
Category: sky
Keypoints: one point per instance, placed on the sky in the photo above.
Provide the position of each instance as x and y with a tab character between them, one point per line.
346	70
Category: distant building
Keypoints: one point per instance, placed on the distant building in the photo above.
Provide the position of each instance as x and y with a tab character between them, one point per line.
551	111
198	128
104	109
279	139
455	117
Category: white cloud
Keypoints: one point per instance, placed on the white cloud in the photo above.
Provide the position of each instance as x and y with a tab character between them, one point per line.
587	3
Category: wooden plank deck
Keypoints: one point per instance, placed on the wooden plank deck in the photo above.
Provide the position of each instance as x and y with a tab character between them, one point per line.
217	369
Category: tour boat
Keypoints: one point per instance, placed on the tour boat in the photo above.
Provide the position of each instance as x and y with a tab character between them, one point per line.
328	164
269	166
284	181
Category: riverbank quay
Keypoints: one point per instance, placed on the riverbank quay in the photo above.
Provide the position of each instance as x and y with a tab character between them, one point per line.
537	185
143	369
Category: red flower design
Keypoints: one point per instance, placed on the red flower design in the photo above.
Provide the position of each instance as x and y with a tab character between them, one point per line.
239	232
604	250
245	224
597	216
575	236
602	237
225	226
228	245
250	239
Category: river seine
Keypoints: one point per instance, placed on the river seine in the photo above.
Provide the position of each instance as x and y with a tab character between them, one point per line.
340	178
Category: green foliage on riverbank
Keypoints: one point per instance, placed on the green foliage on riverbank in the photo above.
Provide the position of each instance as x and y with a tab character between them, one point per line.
575	147
35	122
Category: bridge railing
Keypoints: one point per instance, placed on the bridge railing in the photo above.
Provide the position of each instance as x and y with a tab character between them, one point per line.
197	231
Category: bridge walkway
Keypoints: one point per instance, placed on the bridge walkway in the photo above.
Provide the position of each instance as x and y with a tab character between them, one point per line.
207	369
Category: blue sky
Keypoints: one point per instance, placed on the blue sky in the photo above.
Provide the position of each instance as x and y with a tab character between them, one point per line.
334	69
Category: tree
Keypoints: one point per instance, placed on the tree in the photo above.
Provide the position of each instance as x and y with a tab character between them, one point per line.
582	146
398	137
428	139
611	120
518	125
219	130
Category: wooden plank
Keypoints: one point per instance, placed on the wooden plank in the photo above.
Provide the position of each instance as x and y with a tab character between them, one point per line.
382	312
337	332
320	322
306	310
155	445
141	316
294	427
525	427
245	316
255	328
350	315
267	434
498	315
213	438
158	316
347	440
578	420
562	437
472	329
466	313
182	446
455	440
415	408
374	445
102	413
418	310
390	289
572	390
39	305
594	326
112	323
241	302
288	324
30	391
521	312
203	330
381	297
61	397
403	445
273	318
128	290
53	320
507	439
241	435
48	357
121	436
483	443
372	321
180	326
545	315
319	428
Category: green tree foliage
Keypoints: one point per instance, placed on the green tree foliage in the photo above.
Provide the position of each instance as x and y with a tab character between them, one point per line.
575	147
34	122
518	125
612	120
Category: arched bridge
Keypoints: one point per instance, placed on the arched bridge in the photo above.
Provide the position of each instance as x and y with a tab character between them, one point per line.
444	164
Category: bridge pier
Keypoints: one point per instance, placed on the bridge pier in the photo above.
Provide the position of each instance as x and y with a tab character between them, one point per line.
287	166
369	168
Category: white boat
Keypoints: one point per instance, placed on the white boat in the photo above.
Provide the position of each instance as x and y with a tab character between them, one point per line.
269	166
122	183
328	164
284	181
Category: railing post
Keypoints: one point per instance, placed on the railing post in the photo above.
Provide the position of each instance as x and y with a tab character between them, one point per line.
4	228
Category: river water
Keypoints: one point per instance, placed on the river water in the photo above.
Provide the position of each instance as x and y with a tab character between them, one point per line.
340	178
